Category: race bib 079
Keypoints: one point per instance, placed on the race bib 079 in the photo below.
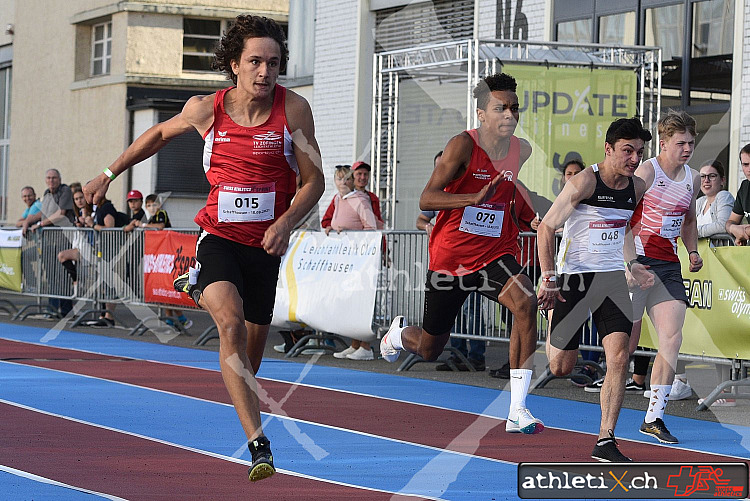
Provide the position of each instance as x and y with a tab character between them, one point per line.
252	203
606	236
485	220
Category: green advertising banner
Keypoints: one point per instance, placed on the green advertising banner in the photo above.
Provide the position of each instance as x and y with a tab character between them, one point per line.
717	323
565	113
10	259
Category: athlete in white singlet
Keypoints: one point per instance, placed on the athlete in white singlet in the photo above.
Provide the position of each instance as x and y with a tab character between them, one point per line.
666	212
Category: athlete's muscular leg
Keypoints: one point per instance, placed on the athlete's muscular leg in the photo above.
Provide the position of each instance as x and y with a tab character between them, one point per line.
613	388
668	318
223	302
256	343
519	297
417	340
561	362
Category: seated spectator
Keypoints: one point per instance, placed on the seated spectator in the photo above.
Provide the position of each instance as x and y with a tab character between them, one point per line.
135	208
33	204
352	211
713	209
160	219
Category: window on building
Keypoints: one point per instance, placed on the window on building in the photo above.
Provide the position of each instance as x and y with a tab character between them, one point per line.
5	91
578	31
101	48
180	164
617	29
199	40
665	28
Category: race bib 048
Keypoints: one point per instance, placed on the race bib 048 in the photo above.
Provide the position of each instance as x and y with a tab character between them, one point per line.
606	236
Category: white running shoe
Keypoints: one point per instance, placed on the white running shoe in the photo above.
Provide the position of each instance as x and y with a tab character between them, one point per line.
361	354
344	353
387	351
524	423
280	348
679	391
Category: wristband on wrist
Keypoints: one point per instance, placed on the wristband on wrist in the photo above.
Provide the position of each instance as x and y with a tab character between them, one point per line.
631	263
109	174
694	252
550	279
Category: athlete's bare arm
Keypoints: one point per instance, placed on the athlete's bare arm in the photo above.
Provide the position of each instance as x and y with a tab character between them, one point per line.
302	128
689	230
196	114
645	171
579	187
452	165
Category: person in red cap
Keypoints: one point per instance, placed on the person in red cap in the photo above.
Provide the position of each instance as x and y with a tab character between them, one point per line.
361	172
135	206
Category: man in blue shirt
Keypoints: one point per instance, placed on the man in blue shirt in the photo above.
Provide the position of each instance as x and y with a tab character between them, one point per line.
33	204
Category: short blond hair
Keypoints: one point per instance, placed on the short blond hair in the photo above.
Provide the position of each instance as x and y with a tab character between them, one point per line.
343	172
673	122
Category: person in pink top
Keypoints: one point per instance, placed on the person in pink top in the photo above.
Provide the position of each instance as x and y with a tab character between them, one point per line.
352	211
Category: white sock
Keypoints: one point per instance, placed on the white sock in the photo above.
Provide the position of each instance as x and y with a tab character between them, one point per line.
395	338
658	402
193	275
520	379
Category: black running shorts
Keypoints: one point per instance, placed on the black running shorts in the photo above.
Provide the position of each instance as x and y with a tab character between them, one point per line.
604	294
251	269
667	286
445	294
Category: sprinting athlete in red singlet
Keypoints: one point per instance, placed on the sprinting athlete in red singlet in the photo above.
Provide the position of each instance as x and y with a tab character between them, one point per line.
474	242
667	211
258	138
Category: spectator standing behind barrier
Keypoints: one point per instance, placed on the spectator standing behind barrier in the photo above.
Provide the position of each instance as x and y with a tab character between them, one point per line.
104	216
352	211
70	258
160	219
714	208
33	204
239	257
475	352
741	210
361	173
135	208
57	210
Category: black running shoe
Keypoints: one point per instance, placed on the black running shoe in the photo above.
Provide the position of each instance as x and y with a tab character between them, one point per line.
182	284
659	431
262	466
594	387
606	451
632	387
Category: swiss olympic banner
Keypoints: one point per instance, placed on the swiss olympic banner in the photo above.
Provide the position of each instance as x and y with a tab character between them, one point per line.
10	259
717	322
166	256
329	282
565	112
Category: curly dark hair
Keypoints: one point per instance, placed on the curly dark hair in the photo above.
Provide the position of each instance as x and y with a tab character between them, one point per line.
233	42
626	128
498	81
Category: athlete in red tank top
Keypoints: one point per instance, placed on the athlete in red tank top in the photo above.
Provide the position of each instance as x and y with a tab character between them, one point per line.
252	172
473	244
258	138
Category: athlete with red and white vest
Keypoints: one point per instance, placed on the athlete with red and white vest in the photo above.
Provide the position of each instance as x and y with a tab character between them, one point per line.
667	211
258	138
474	242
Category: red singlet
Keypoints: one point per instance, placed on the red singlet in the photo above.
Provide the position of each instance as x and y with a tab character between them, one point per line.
466	240
252	172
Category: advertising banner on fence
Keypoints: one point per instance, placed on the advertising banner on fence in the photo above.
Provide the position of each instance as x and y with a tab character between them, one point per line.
166	256
565	113
329	282
717	322
10	259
